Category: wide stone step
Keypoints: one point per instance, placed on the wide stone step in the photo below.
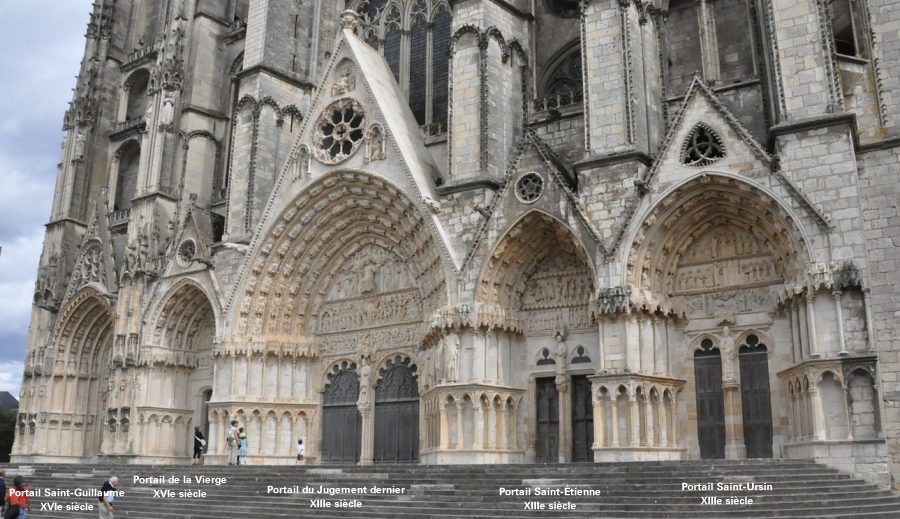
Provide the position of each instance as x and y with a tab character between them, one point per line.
800	489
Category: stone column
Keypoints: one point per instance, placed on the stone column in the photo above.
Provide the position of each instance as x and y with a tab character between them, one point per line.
478	432
632	344
663	424
460	426
492	431
734	423
797	346
848	402
367	447
648	353
565	418
818	415
635	420
839	318
599	424
670	421
649	423
504	427
811	322
445	427
803	327
614	401
531	438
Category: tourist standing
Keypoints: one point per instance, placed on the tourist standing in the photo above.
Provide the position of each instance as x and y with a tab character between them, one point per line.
242	451
199	443
107	496
301	451
231	442
17	502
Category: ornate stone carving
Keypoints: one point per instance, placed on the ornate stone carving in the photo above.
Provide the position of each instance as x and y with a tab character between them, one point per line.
375	144
339	131
345	83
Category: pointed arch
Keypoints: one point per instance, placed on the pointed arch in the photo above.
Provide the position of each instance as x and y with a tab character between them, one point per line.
525	245
696	207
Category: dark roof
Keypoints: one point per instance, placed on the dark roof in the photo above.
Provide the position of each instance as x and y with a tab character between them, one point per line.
7	401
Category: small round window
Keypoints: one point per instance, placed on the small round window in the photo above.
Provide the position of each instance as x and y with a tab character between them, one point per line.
187	250
339	131
529	187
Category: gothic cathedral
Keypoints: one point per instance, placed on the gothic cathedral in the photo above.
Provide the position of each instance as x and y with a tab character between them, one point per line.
475	231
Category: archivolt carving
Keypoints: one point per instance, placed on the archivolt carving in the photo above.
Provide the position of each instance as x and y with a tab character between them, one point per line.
83	329
185	327
306	257
538	268
710	234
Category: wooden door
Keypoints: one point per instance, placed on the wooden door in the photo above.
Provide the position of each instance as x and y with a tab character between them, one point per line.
341	422
710	402
582	419
397	416
756	403
547	420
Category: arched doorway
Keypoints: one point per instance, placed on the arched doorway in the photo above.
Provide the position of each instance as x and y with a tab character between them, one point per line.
341	421
756	403
397	413
179	389
710	401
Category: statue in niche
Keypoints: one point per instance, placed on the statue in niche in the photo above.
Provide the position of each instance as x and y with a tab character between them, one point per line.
452	357
167	114
345	84
726	346
79	143
375	145
365	372
561	352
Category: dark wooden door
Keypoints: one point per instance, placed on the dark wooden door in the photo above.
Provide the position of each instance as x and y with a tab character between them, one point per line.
582	419
547	420
341	422
756	403
710	403
397	416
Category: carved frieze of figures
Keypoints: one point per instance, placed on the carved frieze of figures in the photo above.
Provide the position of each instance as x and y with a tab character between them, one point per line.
727	302
379	310
399	336
372	270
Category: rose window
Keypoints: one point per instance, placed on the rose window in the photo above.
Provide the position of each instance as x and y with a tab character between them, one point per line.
702	147
529	187
339	131
186	252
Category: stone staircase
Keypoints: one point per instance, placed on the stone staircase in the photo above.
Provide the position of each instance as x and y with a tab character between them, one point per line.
799	489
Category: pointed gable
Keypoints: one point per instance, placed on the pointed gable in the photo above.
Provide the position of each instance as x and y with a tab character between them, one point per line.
705	134
95	263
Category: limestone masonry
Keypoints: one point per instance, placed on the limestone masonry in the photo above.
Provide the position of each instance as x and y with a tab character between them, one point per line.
475	231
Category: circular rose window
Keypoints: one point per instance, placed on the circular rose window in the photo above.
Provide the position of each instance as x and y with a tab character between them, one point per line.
186	252
529	187
339	131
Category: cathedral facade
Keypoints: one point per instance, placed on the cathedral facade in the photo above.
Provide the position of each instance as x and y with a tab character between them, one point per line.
475	231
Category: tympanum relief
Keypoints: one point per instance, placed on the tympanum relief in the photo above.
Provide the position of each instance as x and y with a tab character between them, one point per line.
557	293
372	300
726	271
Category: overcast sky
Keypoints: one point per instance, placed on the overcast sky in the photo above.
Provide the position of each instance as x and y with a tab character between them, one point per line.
41	46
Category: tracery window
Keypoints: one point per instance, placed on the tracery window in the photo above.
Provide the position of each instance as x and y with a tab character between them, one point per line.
414	38
565	77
